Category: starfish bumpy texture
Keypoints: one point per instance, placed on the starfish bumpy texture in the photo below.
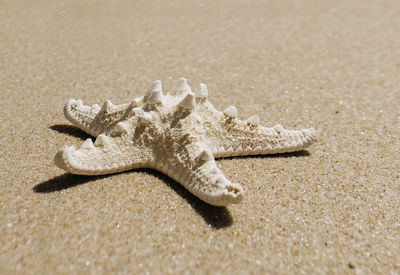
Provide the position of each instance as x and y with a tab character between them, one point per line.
179	134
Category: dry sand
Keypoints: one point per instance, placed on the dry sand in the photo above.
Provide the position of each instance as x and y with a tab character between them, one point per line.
332	65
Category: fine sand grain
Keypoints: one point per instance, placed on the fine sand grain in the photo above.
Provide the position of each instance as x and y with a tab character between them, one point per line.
331	65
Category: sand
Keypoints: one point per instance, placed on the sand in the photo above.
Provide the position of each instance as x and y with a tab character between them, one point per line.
332	65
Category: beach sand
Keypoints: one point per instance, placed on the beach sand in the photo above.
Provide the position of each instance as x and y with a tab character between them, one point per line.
331	65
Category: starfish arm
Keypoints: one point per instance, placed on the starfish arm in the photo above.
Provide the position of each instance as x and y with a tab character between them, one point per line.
106	156
240	138
194	167
95	120
230	136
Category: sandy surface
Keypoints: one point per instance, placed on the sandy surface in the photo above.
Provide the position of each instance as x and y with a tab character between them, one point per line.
332	65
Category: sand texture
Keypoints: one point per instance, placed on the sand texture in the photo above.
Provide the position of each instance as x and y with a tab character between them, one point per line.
331	65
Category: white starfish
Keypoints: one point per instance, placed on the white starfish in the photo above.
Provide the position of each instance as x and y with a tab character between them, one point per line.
178	134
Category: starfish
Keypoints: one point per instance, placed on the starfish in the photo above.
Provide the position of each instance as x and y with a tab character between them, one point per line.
179	134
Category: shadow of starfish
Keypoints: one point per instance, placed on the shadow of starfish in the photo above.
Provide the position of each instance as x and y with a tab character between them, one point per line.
302	153
70	130
217	217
